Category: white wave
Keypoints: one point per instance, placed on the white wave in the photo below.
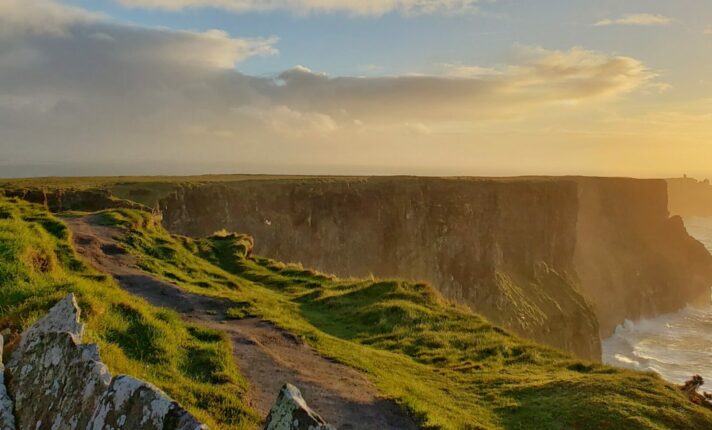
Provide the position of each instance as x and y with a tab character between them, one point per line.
677	345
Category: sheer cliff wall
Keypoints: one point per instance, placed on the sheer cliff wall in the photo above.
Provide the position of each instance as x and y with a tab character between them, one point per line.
690	197
633	259
551	259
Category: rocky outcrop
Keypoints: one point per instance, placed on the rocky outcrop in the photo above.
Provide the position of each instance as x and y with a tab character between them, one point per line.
58	199
549	258
7	419
690	197
633	259
56	382
291	412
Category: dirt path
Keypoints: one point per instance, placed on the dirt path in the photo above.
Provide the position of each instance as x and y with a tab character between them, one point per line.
267	356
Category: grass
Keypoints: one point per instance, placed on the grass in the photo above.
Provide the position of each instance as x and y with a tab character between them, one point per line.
449	367
193	365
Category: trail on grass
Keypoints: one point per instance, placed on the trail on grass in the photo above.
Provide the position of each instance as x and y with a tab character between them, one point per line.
266	355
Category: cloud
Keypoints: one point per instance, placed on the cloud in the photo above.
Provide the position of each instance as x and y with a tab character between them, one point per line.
536	77
40	17
358	7
289	122
641	19
95	89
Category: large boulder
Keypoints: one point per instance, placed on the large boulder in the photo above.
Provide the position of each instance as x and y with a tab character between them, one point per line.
58	383
291	412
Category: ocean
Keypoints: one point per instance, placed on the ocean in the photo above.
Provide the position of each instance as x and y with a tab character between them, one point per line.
677	345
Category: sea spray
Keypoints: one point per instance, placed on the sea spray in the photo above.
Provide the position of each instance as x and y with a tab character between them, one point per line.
674	345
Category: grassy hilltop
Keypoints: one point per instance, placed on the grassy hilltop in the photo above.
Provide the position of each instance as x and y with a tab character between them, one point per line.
448	367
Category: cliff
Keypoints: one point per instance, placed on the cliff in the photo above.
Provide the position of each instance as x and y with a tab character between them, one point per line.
634	260
60	199
689	197
559	260
550	259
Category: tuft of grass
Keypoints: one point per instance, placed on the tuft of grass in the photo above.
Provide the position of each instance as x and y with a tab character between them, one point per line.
449	367
193	365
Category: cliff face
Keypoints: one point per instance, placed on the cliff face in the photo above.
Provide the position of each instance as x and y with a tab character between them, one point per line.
58	200
633	259
504	248
689	197
547	258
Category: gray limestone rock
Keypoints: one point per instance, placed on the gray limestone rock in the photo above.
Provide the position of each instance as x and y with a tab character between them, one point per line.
7	419
133	404
57	383
291	412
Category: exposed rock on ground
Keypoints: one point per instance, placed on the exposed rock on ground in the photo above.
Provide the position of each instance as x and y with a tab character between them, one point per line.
691	389
7	420
291	412
58	383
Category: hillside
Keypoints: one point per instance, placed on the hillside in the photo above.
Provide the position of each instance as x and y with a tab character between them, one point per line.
559	260
444	365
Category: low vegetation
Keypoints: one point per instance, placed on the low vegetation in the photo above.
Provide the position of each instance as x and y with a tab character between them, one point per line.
449	367
192	364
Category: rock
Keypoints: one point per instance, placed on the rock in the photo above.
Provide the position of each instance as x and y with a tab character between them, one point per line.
58	383
133	404
62	318
7	420
291	412
55	382
691	387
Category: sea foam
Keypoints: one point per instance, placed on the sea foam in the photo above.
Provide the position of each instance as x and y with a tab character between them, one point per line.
674	345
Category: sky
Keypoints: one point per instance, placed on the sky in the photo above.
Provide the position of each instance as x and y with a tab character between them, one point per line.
424	87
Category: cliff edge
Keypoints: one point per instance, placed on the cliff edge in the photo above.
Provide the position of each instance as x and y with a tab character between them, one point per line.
550	258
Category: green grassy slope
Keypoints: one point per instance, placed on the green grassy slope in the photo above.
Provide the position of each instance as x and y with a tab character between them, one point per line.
448	366
38	267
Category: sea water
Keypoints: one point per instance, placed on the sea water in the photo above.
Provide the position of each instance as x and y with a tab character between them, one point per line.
677	345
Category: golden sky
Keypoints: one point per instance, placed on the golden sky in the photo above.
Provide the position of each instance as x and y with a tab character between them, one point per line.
442	87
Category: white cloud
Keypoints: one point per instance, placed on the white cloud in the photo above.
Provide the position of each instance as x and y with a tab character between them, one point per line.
289	122
358	7
641	19
40	17
95	89
463	71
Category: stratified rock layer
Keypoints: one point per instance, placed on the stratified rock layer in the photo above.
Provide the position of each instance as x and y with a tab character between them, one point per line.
58	383
291	412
